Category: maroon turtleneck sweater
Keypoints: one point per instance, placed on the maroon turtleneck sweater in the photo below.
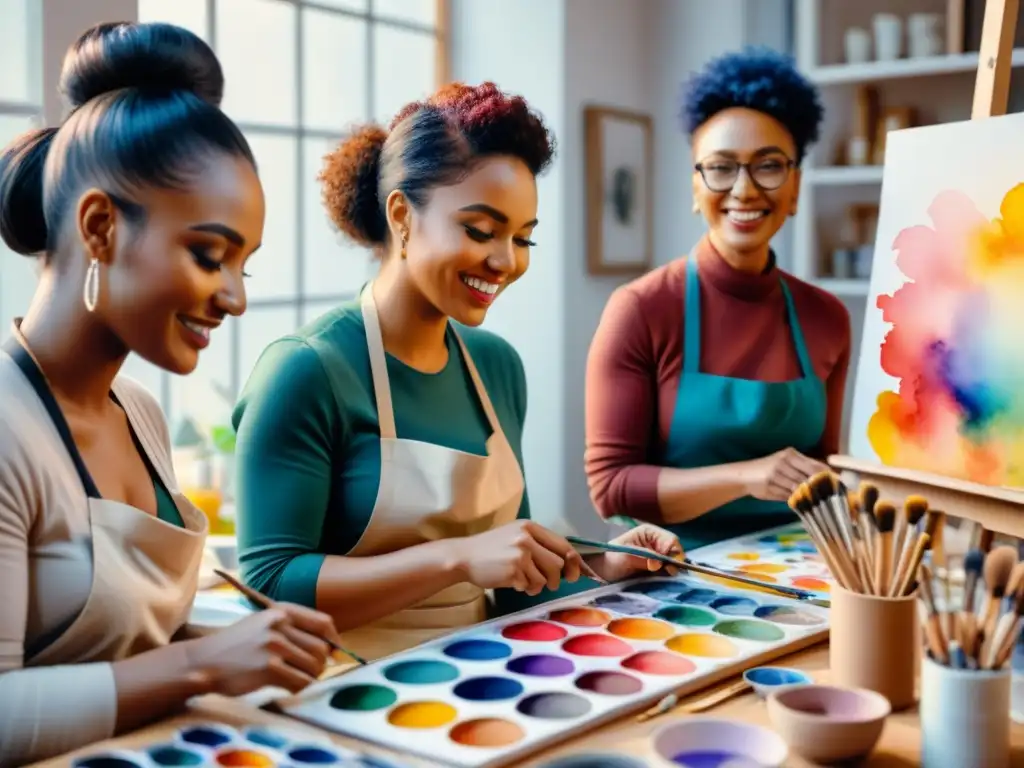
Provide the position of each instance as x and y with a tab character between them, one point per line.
637	354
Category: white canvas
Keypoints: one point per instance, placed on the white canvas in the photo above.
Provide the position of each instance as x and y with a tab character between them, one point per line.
952	216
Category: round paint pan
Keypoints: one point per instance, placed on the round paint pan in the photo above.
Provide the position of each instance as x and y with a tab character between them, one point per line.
709	741
209	735
313	754
487	733
113	759
477	649
749	629
788	615
175	755
279	739
360	697
244	757
596	760
627	604
554	705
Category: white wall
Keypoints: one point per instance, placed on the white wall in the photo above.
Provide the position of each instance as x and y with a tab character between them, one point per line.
563	55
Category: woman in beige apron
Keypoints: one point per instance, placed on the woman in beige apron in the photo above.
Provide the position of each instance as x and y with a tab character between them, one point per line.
448	197
99	552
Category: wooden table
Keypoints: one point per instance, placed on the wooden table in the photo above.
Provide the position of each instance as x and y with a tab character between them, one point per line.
899	745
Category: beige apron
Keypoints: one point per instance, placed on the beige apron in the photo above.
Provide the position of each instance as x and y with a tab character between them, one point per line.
430	492
144	571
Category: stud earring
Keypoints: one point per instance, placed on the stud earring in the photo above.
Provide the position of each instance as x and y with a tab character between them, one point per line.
91	289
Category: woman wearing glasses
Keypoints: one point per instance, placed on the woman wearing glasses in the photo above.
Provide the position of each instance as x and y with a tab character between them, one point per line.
715	383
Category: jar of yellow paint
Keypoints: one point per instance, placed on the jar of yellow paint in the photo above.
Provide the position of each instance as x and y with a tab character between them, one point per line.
208	501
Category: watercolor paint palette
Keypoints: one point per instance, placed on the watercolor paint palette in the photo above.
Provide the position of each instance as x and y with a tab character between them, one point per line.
215	744
501	690
785	555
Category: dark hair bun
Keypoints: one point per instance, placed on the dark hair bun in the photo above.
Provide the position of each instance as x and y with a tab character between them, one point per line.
22	222
350	178
155	57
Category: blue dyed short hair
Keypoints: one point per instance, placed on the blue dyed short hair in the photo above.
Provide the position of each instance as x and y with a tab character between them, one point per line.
760	79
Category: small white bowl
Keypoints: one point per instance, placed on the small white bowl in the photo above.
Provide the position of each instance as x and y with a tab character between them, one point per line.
766	680
700	735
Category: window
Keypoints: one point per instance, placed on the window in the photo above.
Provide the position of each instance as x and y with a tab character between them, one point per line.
298	73
20	111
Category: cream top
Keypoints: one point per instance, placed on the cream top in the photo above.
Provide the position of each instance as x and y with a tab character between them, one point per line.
46	570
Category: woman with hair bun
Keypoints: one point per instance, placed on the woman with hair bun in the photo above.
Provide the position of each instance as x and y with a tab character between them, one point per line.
379	456
143	206
715	384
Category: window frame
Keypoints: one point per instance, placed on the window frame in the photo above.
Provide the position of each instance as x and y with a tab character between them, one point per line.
301	298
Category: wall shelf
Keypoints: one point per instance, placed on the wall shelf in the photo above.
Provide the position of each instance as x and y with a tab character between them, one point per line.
844	287
839	175
870	72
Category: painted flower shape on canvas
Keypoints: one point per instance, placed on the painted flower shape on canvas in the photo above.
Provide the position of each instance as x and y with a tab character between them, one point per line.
955	345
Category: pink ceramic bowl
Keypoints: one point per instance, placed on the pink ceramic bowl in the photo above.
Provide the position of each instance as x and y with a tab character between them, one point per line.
825	723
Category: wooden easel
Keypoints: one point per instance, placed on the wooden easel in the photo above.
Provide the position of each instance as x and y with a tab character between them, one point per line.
998	509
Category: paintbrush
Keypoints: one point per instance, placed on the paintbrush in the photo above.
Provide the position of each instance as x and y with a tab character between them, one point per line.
913	552
974	561
701	568
265	602
913	510
995	639
885	516
868	499
937	645
825	493
1009	632
802	504
904	536
822	494
670	702
998	567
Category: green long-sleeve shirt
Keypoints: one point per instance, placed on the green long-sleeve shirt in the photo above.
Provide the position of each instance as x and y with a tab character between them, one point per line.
308	442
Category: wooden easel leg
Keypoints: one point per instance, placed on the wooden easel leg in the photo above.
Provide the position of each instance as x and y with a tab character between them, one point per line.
992	86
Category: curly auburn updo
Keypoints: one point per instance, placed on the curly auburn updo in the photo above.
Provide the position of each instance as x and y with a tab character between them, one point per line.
430	143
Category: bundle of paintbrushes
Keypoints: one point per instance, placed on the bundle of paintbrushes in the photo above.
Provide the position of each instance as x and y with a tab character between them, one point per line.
978	635
868	545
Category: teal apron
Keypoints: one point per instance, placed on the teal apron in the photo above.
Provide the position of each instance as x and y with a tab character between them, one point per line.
719	420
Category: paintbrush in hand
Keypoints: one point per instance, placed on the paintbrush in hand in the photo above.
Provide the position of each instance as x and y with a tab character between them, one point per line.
702	568
265	602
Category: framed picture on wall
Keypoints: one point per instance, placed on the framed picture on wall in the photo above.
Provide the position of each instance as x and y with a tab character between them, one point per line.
619	158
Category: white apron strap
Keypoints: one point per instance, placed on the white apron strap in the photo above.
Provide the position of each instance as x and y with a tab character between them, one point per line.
378	365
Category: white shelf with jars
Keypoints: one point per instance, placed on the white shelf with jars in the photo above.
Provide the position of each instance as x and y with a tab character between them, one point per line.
880	65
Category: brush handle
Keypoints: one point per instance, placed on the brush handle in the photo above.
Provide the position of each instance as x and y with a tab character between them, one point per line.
265	602
701	568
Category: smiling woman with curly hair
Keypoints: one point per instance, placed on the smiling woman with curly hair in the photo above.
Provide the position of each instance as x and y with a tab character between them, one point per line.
379	448
715	384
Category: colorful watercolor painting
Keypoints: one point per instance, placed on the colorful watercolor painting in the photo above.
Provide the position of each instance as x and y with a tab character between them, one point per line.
940	378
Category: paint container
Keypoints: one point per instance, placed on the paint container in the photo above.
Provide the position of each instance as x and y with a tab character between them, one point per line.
825	724
711	741
965	717
765	680
873	644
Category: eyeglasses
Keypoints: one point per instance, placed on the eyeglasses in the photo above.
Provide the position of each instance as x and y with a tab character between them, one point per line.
767	173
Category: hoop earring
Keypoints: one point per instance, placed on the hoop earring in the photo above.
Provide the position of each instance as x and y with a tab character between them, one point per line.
91	289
